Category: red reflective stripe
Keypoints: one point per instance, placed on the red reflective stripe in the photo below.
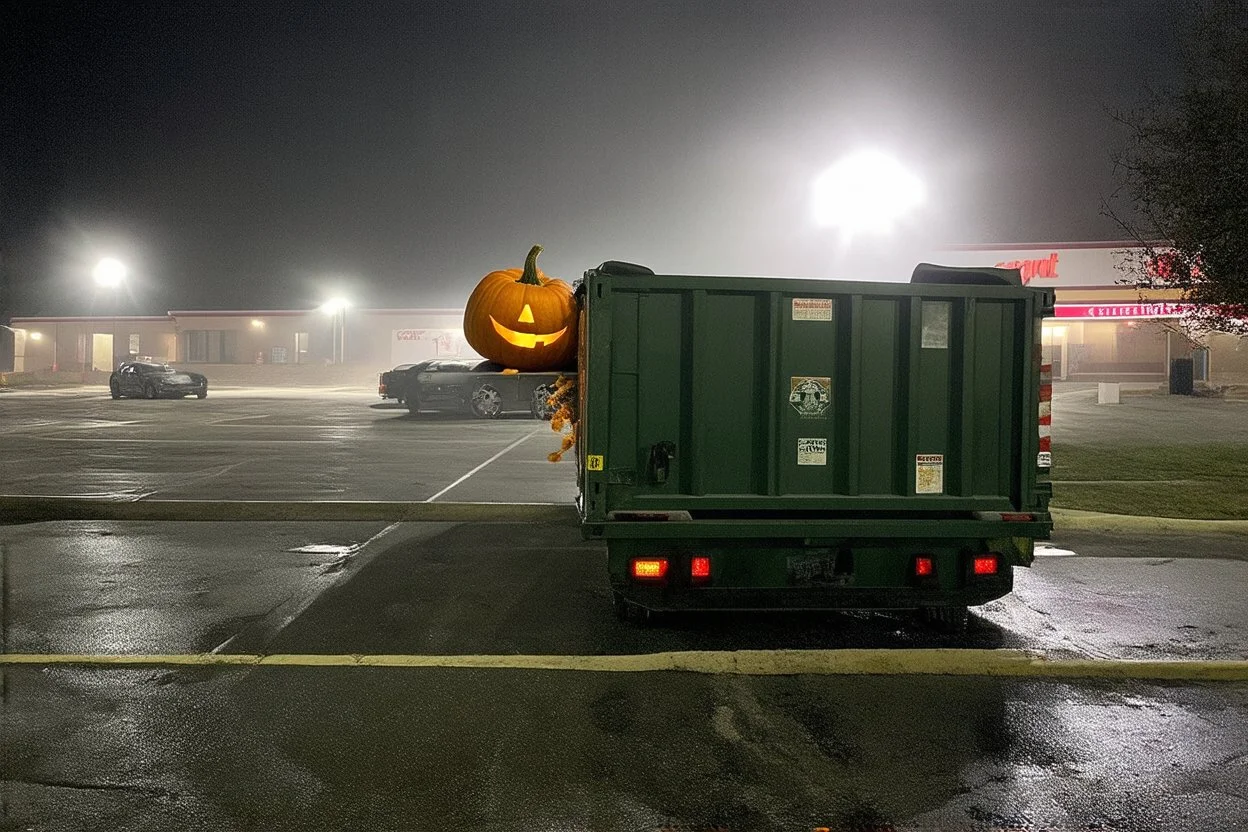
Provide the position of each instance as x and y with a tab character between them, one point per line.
1046	444
1046	420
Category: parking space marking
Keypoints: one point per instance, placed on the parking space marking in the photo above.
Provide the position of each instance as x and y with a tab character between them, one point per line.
496	456
851	662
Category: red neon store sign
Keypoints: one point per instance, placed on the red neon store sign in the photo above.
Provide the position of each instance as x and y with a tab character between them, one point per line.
1119	311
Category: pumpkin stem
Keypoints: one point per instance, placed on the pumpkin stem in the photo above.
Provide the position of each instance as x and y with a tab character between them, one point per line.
530	268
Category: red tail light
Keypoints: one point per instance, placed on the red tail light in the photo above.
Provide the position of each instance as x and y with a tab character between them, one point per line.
649	569
700	568
985	565
924	567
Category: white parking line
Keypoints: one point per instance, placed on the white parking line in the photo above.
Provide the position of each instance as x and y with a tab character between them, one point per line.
519	441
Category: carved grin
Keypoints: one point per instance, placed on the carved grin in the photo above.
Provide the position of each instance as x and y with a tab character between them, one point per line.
527	340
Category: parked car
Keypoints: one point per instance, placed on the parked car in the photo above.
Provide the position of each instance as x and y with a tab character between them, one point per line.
470	386
390	384
154	381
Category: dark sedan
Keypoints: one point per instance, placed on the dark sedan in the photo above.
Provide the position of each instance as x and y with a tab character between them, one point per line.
474	386
155	381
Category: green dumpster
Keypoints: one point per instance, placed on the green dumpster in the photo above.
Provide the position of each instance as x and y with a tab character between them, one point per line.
775	443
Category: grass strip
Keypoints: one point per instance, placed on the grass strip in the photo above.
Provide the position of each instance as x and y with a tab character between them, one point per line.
1141	479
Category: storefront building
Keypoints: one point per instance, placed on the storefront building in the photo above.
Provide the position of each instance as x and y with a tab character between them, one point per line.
1105	329
378	338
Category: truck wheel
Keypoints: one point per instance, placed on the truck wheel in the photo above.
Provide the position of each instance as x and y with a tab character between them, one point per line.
951	620
413	405
540	404
114	389
486	403
149	391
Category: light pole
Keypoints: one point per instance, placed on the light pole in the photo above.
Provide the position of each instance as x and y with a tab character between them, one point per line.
336	308
110	274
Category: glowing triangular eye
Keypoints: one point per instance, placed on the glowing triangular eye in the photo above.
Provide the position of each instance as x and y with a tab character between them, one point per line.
526	315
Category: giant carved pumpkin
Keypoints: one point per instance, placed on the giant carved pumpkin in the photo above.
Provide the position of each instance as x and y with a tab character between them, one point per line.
523	319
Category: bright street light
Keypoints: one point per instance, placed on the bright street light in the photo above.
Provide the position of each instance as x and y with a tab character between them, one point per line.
335	305
109	273
866	192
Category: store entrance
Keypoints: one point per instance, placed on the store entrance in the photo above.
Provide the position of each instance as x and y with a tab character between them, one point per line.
1054	350
102	351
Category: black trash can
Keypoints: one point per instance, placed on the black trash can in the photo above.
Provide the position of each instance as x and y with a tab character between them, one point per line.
1180	376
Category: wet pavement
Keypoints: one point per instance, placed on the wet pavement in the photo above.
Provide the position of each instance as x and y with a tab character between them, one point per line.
262	444
1145	417
335	749
221	748
419	748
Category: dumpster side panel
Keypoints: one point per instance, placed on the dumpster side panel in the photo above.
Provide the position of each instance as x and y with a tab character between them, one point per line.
723	395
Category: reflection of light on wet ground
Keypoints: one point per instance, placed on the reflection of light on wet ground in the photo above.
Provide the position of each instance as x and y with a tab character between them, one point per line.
327	549
1043	551
1077	758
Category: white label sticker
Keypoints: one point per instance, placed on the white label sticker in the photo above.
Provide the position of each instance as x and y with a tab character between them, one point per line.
935	325
929	474
1044	459
812	309
812	451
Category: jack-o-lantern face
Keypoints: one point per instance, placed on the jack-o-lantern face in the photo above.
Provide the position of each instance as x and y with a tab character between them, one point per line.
522	319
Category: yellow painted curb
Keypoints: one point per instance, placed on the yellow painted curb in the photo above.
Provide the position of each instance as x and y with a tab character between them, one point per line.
1095	521
936	662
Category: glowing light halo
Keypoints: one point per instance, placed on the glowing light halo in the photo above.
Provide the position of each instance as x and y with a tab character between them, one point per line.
865	192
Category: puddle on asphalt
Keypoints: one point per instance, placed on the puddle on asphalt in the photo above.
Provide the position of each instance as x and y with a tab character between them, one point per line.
340	550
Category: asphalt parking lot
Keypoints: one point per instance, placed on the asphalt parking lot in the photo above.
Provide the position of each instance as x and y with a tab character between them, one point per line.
256	444
488	741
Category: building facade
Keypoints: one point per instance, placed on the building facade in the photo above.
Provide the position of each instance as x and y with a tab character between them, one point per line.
372	337
1105	329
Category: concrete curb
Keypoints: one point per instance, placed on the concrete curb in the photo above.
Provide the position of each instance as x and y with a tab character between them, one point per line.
16	508
857	662
1094	521
23	509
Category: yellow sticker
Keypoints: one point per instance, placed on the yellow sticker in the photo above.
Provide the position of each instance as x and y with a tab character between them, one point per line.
593	462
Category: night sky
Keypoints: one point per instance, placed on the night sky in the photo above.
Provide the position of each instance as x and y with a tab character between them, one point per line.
264	156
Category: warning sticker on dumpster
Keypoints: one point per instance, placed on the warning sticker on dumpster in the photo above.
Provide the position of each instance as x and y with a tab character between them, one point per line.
812	309
593	462
810	395
812	451
929	474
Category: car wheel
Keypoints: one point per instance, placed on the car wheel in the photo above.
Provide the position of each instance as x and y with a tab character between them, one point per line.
540	405
412	404
202	394
149	391
487	403
114	389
